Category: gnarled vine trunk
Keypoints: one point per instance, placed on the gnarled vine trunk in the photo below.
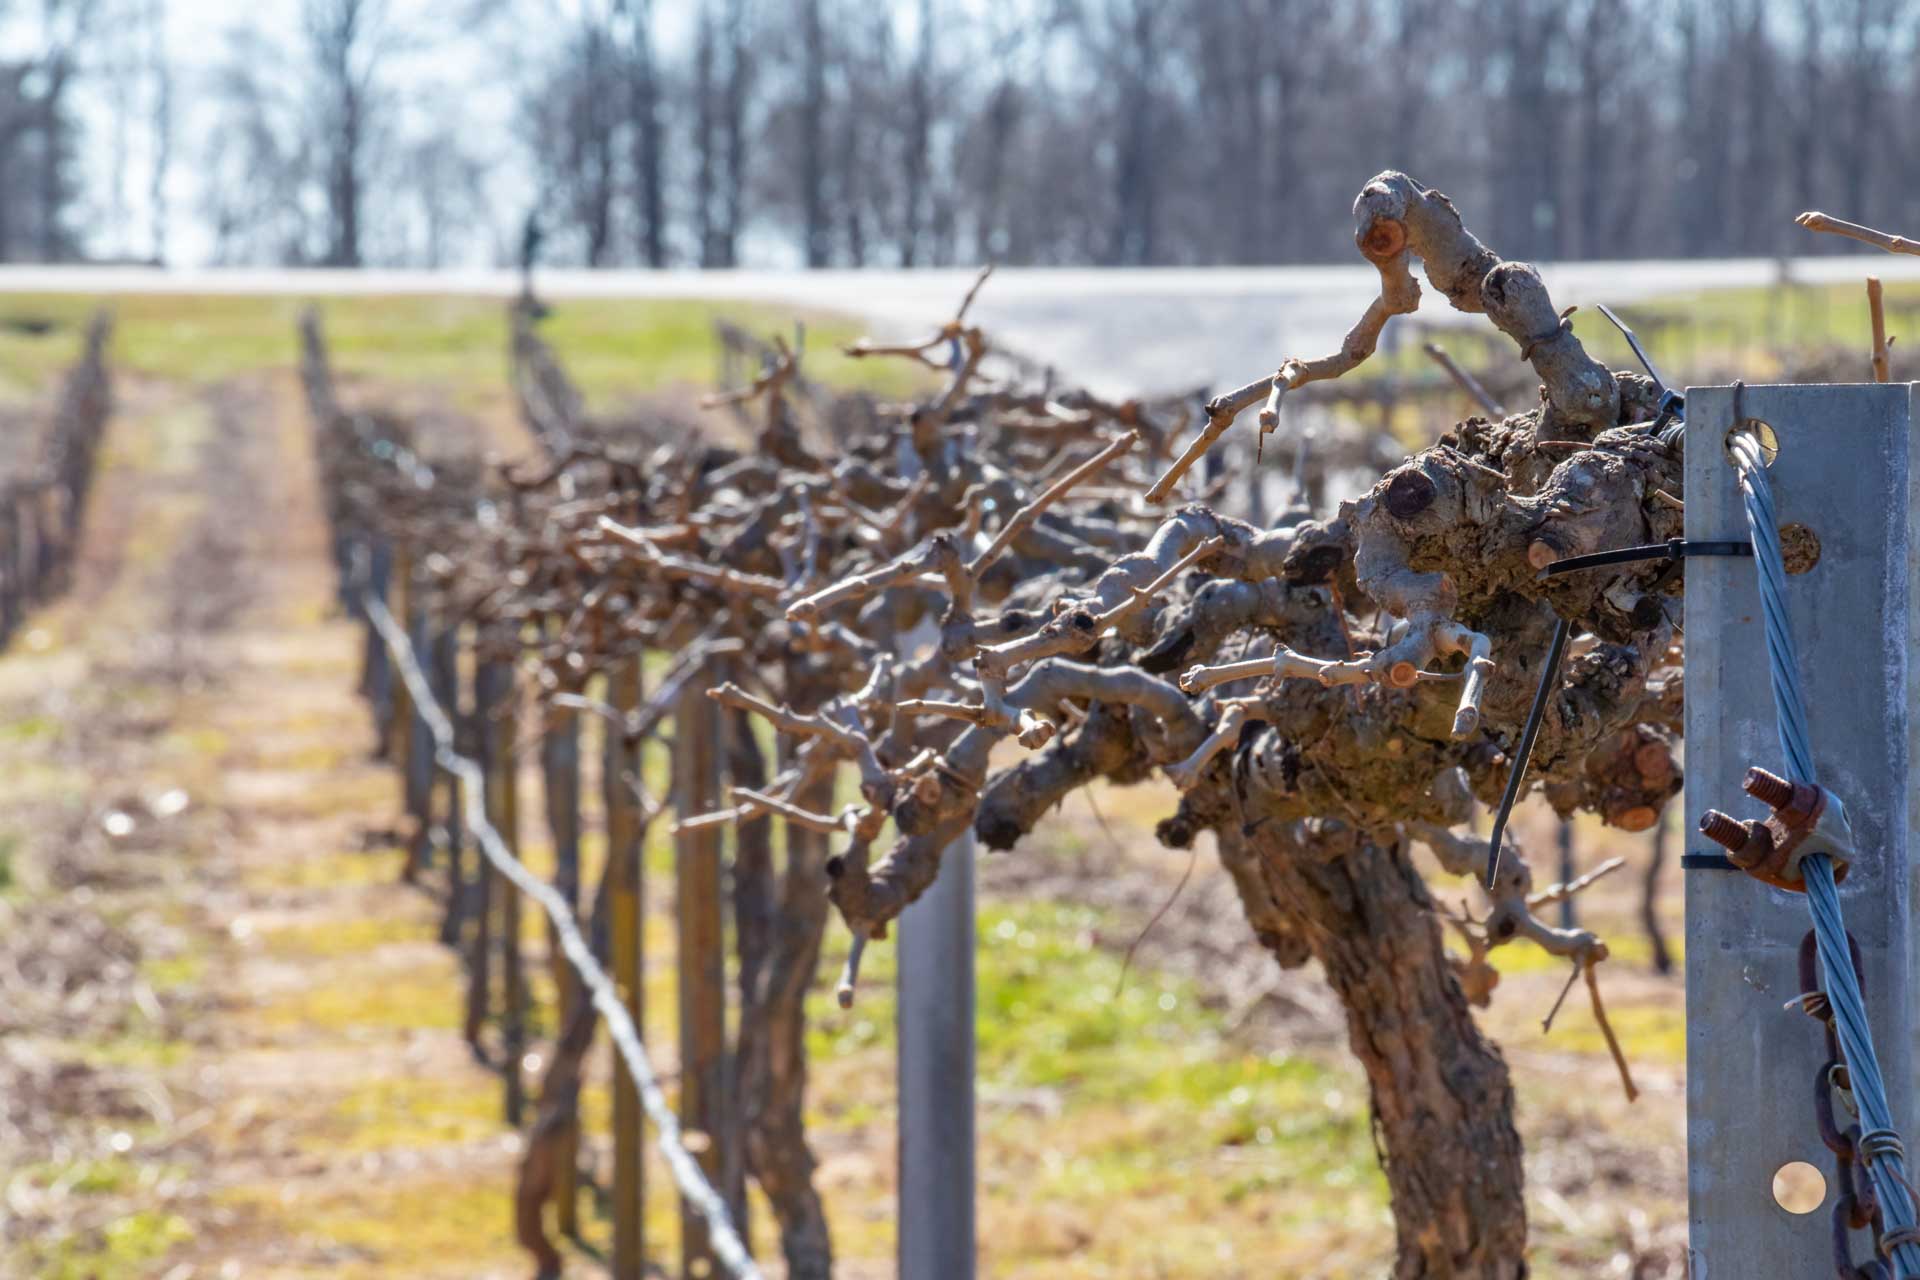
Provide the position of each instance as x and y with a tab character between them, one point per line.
1441	1097
773	1030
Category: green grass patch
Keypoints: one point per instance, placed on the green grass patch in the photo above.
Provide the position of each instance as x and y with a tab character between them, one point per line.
169	974
338	869
124	1248
344	937
1648	1033
407	1112
613	347
1102	1100
1716	329
28	729
393	1002
438	1225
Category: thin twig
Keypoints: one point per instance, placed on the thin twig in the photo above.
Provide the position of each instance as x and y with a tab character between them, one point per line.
1466	381
1876	310
1816	221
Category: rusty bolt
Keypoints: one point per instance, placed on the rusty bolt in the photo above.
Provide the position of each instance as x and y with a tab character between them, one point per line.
1408	494
1769	789
1724	830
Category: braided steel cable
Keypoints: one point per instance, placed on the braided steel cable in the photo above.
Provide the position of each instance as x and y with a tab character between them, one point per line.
692	1180
1880	1145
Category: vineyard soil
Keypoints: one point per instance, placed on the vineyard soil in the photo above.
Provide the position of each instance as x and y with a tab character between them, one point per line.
255	1068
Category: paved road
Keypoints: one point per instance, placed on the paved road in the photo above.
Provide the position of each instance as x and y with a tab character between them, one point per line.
1116	331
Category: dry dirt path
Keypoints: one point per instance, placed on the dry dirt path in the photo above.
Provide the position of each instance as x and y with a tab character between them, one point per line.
230	1045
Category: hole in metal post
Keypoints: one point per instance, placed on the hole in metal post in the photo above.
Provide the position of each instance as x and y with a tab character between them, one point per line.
1769	442
1799	547
1798	1187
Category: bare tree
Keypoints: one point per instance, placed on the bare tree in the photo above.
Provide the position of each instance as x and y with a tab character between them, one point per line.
257	163
344	43
649	136
813	129
918	139
1117	131
160	129
575	114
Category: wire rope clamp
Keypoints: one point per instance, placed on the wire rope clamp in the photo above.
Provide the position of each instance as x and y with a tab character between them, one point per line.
1806	819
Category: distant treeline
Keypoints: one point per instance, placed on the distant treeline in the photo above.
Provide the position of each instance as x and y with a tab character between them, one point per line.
914	132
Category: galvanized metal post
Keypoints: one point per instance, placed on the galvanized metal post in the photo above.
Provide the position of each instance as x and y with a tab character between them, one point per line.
1846	471
933	1021
936	1037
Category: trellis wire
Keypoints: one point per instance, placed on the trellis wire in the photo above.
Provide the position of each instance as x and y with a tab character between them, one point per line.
1880	1143
726	1242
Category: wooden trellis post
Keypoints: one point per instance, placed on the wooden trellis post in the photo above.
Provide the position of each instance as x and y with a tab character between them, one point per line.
628	943
703	991
10	595
513	974
376	670
1563	841
399	726
417	762
488	677
446	686
1846	470
503	811
560	774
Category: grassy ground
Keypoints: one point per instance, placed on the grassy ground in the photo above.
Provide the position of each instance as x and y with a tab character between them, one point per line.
1702	338
615	348
289	1096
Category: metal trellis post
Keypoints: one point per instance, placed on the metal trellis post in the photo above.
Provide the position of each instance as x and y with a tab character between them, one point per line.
1846	471
933	1017
936	1037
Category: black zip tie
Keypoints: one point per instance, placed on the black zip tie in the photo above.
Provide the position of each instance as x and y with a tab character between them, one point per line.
1525	749
1706	862
1675	549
